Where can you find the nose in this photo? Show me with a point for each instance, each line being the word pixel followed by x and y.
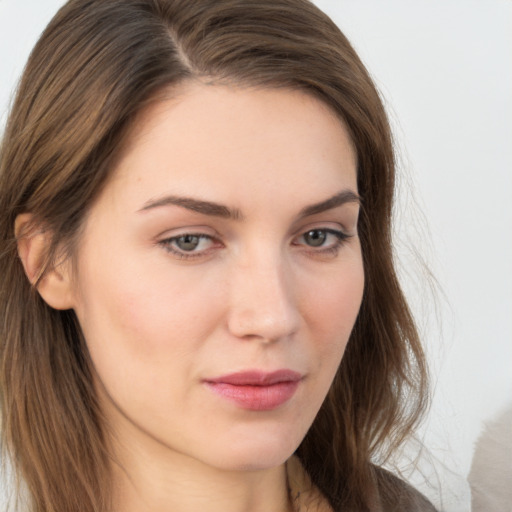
pixel 262 302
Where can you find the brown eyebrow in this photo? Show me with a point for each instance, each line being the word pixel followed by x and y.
pixel 220 210
pixel 345 196
pixel 196 205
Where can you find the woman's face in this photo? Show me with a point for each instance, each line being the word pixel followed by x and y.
pixel 219 275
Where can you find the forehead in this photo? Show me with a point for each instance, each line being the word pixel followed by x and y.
pixel 218 139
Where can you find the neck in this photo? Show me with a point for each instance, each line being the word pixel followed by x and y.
pixel 156 479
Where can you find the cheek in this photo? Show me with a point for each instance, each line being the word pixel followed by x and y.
pixel 331 311
pixel 145 315
pixel 145 334
pixel 334 305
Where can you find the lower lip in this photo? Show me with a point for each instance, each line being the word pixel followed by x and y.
pixel 256 398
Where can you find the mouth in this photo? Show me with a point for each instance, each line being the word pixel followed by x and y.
pixel 256 390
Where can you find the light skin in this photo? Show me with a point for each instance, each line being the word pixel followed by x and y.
pixel 225 240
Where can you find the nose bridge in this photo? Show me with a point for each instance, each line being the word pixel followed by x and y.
pixel 262 296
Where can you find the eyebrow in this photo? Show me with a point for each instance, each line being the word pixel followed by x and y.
pixel 343 197
pixel 196 205
pixel 220 210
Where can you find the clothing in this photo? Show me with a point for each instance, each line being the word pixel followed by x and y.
pixel 306 497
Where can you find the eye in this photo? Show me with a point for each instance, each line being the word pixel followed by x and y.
pixel 188 245
pixel 322 240
pixel 188 242
pixel 315 237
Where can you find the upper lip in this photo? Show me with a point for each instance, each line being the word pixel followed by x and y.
pixel 257 378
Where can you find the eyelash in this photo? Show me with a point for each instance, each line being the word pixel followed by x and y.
pixel 184 255
pixel 332 250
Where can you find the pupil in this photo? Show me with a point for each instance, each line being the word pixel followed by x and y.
pixel 315 237
pixel 187 242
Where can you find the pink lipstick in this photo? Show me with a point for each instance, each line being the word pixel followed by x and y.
pixel 256 390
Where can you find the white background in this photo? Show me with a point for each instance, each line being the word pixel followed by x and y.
pixel 444 68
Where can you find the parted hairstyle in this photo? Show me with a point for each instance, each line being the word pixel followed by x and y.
pixel 97 65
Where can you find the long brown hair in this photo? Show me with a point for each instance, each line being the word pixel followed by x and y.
pixel 96 66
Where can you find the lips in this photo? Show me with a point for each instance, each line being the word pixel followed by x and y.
pixel 256 390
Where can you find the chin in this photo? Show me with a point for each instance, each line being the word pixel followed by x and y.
pixel 257 452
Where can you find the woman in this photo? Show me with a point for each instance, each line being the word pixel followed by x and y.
pixel 199 305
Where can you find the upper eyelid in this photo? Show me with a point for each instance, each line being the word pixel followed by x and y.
pixel 332 226
pixel 348 226
pixel 169 234
pixel 166 236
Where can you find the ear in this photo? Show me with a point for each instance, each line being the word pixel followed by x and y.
pixel 55 285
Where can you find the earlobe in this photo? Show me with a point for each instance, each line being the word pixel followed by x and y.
pixel 53 284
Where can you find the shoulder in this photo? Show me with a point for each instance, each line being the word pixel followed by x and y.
pixel 395 495
pixel 388 493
